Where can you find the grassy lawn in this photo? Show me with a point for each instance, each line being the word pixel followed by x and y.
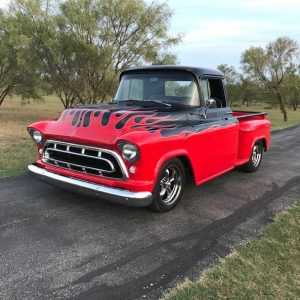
pixel 275 116
pixel 268 268
pixel 17 149
pixel 16 146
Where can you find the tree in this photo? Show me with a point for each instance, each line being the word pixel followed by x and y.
pixel 233 81
pixel 293 90
pixel 83 45
pixel 16 69
pixel 271 66
pixel 230 73
pixel 248 88
pixel 165 59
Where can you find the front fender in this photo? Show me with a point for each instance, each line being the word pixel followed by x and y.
pixel 41 125
pixel 166 157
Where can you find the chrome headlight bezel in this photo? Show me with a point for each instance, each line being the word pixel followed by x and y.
pixel 36 135
pixel 129 152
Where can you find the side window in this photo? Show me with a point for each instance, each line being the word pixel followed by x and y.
pixel 205 89
pixel 217 91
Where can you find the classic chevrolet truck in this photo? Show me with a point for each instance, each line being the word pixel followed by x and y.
pixel 165 122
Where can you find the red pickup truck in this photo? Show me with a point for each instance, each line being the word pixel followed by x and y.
pixel 165 122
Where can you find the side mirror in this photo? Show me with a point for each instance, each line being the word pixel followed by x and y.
pixel 211 103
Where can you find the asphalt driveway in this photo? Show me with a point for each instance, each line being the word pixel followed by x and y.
pixel 55 244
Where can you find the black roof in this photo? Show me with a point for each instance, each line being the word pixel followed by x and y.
pixel 195 71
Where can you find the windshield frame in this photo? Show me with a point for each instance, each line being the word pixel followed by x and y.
pixel 162 72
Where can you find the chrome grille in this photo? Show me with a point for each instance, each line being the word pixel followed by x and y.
pixel 84 159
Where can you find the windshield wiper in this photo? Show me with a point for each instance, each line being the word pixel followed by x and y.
pixel 160 102
pixel 142 102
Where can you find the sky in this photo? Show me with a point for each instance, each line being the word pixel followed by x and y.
pixel 218 31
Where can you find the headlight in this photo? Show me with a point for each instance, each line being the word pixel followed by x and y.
pixel 36 136
pixel 130 152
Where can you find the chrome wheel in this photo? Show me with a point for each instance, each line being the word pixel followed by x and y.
pixel 170 185
pixel 256 154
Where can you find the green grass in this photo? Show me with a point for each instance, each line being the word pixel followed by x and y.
pixel 275 116
pixel 268 268
pixel 17 149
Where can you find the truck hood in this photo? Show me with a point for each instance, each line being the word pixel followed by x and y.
pixel 106 124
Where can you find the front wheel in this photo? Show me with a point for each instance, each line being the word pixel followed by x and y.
pixel 169 186
pixel 255 159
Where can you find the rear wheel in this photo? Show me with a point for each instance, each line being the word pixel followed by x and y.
pixel 169 186
pixel 255 159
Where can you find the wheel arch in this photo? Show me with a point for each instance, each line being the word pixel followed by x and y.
pixel 264 141
pixel 182 156
pixel 187 165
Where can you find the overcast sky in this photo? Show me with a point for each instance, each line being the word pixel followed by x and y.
pixel 217 31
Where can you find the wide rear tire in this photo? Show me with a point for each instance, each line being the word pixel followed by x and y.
pixel 169 186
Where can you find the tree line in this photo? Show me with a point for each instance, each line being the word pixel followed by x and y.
pixel 76 49
pixel 270 73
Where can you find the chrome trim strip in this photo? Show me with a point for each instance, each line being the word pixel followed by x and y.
pixel 71 164
pixel 113 153
pixel 116 195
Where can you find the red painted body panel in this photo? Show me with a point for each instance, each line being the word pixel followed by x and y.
pixel 211 151
pixel 250 130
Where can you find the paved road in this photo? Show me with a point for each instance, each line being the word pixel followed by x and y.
pixel 55 244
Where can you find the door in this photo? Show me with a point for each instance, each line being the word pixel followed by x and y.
pixel 220 139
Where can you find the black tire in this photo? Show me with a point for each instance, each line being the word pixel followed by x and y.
pixel 255 158
pixel 169 186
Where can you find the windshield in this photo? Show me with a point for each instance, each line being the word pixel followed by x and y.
pixel 170 88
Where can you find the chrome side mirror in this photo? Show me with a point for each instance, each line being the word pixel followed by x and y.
pixel 211 103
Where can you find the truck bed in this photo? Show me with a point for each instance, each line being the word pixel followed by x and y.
pixel 253 126
pixel 249 114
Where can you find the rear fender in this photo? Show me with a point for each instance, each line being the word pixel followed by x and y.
pixel 250 132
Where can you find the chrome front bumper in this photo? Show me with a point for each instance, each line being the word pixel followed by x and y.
pixel 135 199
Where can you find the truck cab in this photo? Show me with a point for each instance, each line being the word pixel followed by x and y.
pixel 163 122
